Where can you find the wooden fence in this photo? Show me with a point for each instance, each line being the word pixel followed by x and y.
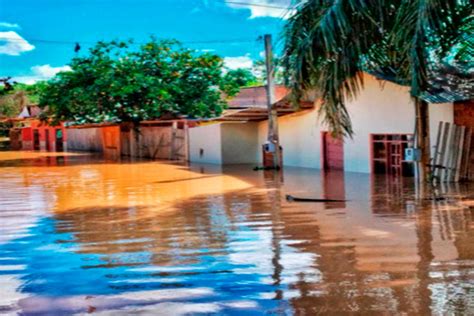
pixel 157 140
pixel 163 142
pixel 453 158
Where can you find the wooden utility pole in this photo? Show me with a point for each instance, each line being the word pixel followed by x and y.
pixel 272 110
pixel 423 138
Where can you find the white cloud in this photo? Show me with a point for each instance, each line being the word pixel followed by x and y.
pixel 9 25
pixel 46 71
pixel 26 79
pixel 238 62
pixel 13 44
pixel 264 8
pixel 41 72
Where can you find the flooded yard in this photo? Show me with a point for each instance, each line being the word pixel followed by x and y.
pixel 79 235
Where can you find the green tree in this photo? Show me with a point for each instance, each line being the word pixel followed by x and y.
pixel 234 79
pixel 329 44
pixel 260 70
pixel 14 96
pixel 118 82
pixel 32 91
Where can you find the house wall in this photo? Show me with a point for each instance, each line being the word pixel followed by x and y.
pixel 28 132
pixel 27 138
pixel 378 109
pixel 300 138
pixel 386 108
pixel 239 143
pixel 442 112
pixel 205 145
pixel 85 139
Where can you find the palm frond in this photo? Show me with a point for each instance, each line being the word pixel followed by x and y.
pixel 328 44
pixel 325 42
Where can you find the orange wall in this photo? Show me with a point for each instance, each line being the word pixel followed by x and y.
pixel 42 127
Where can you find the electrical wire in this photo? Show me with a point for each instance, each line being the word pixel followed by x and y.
pixel 44 41
pixel 223 41
pixel 270 6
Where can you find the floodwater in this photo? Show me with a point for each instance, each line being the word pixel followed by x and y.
pixel 83 235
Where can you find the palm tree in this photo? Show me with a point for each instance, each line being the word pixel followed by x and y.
pixel 427 45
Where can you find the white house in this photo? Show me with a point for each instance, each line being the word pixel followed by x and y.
pixel 383 118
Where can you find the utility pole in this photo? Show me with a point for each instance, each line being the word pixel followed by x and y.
pixel 422 142
pixel 272 110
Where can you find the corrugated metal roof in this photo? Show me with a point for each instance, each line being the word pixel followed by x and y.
pixel 450 87
pixel 250 104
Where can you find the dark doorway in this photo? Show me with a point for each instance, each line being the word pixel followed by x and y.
pixel 47 140
pixel 15 139
pixel 333 152
pixel 36 140
pixel 59 140
pixel 387 154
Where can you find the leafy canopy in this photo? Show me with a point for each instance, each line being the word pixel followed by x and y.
pixel 234 79
pixel 260 70
pixel 417 43
pixel 118 82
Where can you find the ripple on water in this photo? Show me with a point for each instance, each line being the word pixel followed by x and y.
pixel 154 238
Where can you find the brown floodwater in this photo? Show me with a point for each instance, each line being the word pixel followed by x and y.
pixel 79 234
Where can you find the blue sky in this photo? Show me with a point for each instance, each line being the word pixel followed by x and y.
pixel 36 37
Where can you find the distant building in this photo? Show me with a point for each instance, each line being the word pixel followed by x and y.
pixel 30 111
pixel 31 133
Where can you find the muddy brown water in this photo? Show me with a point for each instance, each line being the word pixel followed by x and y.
pixel 82 235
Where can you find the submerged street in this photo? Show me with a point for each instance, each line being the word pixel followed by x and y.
pixel 79 234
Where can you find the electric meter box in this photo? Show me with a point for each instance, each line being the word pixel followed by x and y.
pixel 412 154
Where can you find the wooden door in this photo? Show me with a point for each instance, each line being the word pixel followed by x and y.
pixel 47 140
pixel 59 140
pixel 125 137
pixel 333 152
pixel 15 139
pixel 111 142
pixel 36 140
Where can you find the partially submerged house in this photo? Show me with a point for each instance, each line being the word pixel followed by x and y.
pixel 383 117
pixel 39 135
pixel 234 138
pixel 32 133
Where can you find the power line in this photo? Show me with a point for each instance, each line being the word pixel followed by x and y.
pixel 287 9
pixel 45 41
pixel 224 41
pixel 271 6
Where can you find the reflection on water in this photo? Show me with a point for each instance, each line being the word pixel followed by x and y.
pixel 78 235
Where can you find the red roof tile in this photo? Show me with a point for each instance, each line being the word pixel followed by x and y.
pixel 256 97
